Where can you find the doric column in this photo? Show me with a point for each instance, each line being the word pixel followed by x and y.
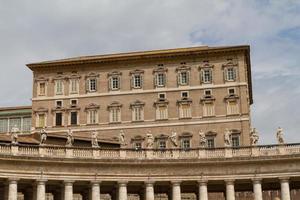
pixel 149 191
pixel 230 195
pixel 257 189
pixel 122 192
pixel 203 190
pixel 285 189
pixel 41 189
pixel 95 190
pixel 176 191
pixel 12 189
pixel 68 190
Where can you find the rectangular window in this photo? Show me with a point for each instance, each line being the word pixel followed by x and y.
pixel 183 78
pixel 93 119
pixel 42 89
pixel 58 119
pixel 41 120
pixel 162 96
pixel 73 118
pixel 73 103
pixel 160 80
pixel 59 104
pixel 235 139
pixel 14 122
pixel 115 83
pixel 210 142
pixel 184 95
pixel 137 81
pixel 207 92
pixel 162 144
pixel 230 74
pixel 74 87
pixel 26 124
pixel 3 125
pixel 161 112
pixel 185 143
pixel 208 109
pixel 206 75
pixel 231 91
pixel 115 115
pixel 232 108
pixel 92 85
pixel 137 113
pixel 185 111
pixel 58 87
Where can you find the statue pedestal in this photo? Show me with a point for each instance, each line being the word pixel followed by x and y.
pixel 228 152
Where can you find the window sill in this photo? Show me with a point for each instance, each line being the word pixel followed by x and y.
pixel 182 118
pixel 209 116
pixel 93 124
pixel 236 114
pixel 161 119
pixel 73 125
pixel 115 122
pixel 137 121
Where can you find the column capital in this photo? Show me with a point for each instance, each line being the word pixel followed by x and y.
pixel 257 180
pixel 229 181
pixel 202 182
pixel 149 183
pixel 176 183
pixel 122 183
pixel 41 181
pixel 95 182
pixel 284 179
pixel 68 182
pixel 13 180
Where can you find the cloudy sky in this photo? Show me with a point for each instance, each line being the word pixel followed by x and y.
pixel 33 31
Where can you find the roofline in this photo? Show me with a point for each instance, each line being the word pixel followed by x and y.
pixel 15 108
pixel 149 55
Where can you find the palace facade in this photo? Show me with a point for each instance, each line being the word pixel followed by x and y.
pixel 176 93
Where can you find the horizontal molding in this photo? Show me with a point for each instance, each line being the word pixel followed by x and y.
pixel 181 88
pixel 81 129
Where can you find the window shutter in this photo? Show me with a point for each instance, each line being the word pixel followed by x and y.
pixel 188 77
pixel 110 84
pixel 142 80
pixel 165 79
pixel 155 80
pixel 201 76
pixel 234 73
pixel 132 81
pixel 96 84
pixel 211 75
pixel 119 82
pixel 225 74
pixel 87 85
pixel 178 78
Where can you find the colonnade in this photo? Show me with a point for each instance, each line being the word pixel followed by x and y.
pixel 40 190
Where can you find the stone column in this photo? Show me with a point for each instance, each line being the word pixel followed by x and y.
pixel 203 190
pixel 122 192
pixel 149 191
pixel 68 190
pixel 230 195
pixel 257 189
pixel 12 189
pixel 41 189
pixel 285 189
pixel 176 191
pixel 95 190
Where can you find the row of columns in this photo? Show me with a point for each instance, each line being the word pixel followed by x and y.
pixel 149 189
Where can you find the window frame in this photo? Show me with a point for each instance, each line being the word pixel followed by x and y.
pixel 74 83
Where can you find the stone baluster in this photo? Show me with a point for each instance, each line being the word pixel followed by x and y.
pixel 12 189
pixel 41 189
pixel 257 189
pixel 203 195
pixel 68 194
pixel 149 191
pixel 285 189
pixel 122 193
pixel 176 191
pixel 95 190
pixel 230 194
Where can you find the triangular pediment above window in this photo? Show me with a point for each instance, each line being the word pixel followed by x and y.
pixel 136 71
pixel 230 63
pixel 205 64
pixel 92 106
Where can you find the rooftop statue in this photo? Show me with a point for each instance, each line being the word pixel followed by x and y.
pixel 254 137
pixel 279 136
pixel 202 142
pixel 43 136
pixel 227 139
pixel 14 134
pixel 150 140
pixel 95 139
pixel 122 138
pixel 173 138
pixel 70 138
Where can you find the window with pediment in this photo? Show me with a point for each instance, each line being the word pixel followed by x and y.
pixel 235 137
pixel 161 141
pixel 230 70
pixel 59 81
pixel 41 86
pixel 161 107
pixel 92 111
pixel 74 83
pixel 232 103
pixel 210 139
pixel 160 76
pixel 114 80
pixel 206 72
pixel 208 103
pixel 92 82
pixel 137 77
pixel 183 75
pixel 185 140
pixel 41 117
pixel 185 108
pixel 137 142
pixel 137 109
pixel 115 112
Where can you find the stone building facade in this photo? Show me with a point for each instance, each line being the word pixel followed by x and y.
pixel 174 96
